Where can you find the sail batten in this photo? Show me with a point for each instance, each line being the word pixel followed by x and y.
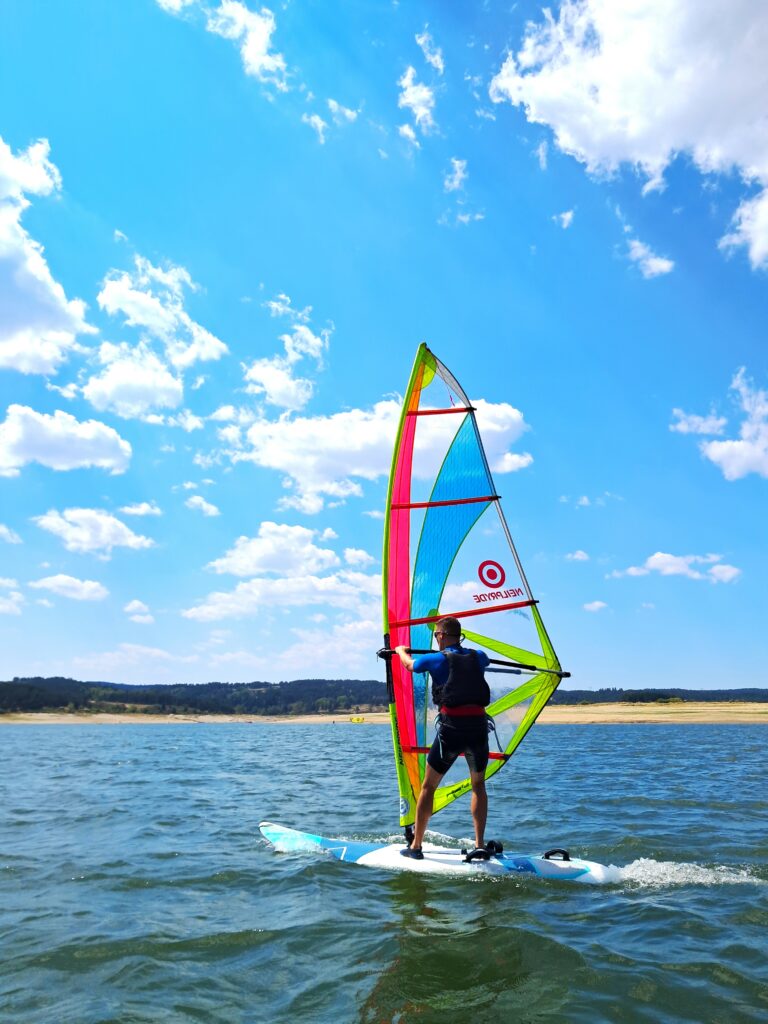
pixel 442 552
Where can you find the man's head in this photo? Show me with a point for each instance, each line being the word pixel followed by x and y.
pixel 447 631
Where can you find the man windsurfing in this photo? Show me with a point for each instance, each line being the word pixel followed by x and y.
pixel 461 693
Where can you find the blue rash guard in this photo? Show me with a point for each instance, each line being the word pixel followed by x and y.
pixel 455 735
pixel 437 665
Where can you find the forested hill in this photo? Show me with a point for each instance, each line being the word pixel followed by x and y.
pixel 298 697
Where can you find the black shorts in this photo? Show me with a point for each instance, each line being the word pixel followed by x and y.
pixel 460 735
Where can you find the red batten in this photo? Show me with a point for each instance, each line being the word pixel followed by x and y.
pixel 440 412
pixel 463 615
pixel 451 501
pixel 492 754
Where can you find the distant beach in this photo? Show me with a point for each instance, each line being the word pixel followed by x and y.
pixel 693 712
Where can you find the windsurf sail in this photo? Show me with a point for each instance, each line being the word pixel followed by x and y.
pixel 448 551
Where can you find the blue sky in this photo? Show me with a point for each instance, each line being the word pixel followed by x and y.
pixel 224 230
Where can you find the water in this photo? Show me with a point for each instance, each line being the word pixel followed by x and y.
pixel 134 886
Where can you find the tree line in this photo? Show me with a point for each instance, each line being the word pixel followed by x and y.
pixel 296 697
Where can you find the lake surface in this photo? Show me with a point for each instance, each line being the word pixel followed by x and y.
pixel 135 888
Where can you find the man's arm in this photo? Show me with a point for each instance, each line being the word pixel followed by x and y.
pixel 407 660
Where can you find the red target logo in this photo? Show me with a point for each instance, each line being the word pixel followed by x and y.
pixel 491 574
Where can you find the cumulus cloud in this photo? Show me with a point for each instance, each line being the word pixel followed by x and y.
pixel 199 503
pixel 88 530
pixel 577 556
pixel 595 606
pixel 455 178
pixel 649 263
pixel 137 611
pixel 406 131
pixel 275 378
pixel 356 556
pixel 140 660
pixel 142 508
pixel 564 219
pixel 9 535
pixel 748 454
pixel 418 98
pixel 356 639
pixel 281 306
pixel 341 115
pixel 688 423
pixel 347 589
pixel 152 299
pixel 277 548
pixel 317 124
pixel 58 441
pixel 325 457
pixel 39 324
pixel 11 603
pixel 253 31
pixel 640 84
pixel 133 382
pixel 665 564
pixel 432 54
pixel 72 588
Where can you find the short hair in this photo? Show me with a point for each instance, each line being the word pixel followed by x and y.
pixel 449 625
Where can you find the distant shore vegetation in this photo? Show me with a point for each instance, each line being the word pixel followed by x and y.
pixel 296 697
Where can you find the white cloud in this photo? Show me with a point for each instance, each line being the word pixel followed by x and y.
pixel 253 31
pixel 199 503
pixel 133 382
pixel 86 530
pixel 432 54
pixel 357 639
pixel 456 177
pixel 9 535
pixel 564 219
pixel 152 299
pixel 186 420
pixel 750 227
pixel 142 508
pixel 641 83
pixel 9 584
pixel 58 441
pixel 141 661
pixel 274 378
pixel 173 7
pixel 326 456
pixel 418 98
pixel 72 588
pixel 39 324
pixel 11 603
pixel 736 459
pixel 683 565
pixel 317 124
pixel 374 513
pixel 346 589
pixel 356 556
pixel 281 306
pixel 577 556
pixel 595 606
pixel 277 548
pixel 541 154
pixel 137 611
pixel 407 132
pixel 649 263
pixel 341 115
pixel 692 424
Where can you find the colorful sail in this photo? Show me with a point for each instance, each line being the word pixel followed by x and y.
pixel 448 551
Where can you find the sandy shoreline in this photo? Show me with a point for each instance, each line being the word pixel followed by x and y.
pixel 693 712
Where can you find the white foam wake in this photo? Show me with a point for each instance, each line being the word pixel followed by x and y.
pixel 658 873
